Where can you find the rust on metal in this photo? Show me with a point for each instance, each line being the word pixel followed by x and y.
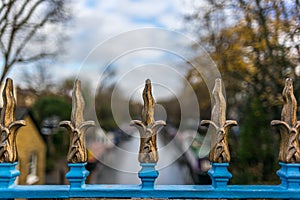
pixel 288 126
pixel 77 127
pixel 219 152
pixel 8 125
pixel 148 128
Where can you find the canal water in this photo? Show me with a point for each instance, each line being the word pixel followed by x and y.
pixel 120 167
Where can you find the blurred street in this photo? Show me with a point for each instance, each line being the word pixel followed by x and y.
pixel 175 173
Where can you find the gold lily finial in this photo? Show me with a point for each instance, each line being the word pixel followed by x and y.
pixel 219 152
pixel 77 127
pixel 8 125
pixel 288 126
pixel 148 128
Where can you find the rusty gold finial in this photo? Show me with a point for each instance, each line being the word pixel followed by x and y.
pixel 8 125
pixel 288 127
pixel 77 127
pixel 148 128
pixel 148 109
pixel 218 115
pixel 289 109
pixel 219 152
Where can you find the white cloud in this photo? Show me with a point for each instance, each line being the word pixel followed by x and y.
pixel 96 21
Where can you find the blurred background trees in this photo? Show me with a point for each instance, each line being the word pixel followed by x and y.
pixel 49 110
pixel 255 45
pixel 25 27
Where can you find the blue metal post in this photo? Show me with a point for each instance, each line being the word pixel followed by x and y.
pixel 77 175
pixel 219 175
pixel 148 174
pixel 289 175
pixel 8 174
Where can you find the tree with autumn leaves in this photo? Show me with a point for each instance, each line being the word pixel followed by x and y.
pixel 256 45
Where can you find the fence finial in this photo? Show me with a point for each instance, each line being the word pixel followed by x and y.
pixel 8 125
pixel 148 128
pixel 288 127
pixel 77 127
pixel 219 152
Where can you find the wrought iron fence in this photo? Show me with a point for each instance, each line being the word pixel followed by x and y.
pixel 289 155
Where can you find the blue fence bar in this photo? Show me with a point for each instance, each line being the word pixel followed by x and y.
pixel 289 173
pixel 160 191
pixel 289 188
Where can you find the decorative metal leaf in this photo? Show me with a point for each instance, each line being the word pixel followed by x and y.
pixel 289 109
pixel 218 114
pixel 219 152
pixel 148 109
pixel 288 127
pixel 8 125
pixel 77 127
pixel 148 128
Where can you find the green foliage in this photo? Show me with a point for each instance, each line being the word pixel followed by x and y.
pixel 53 105
pixel 61 142
pixel 257 148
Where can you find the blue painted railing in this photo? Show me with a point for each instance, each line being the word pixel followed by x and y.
pixel 289 175
pixel 289 187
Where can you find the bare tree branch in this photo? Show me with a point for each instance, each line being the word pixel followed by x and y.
pixel 28 37
pixel 21 22
pixel 29 14
pixel 35 57
pixel 22 9
pixel 8 7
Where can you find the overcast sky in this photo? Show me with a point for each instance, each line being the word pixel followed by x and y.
pixel 111 34
pixel 97 21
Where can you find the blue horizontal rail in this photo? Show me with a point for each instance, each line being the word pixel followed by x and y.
pixel 160 191
pixel 288 189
